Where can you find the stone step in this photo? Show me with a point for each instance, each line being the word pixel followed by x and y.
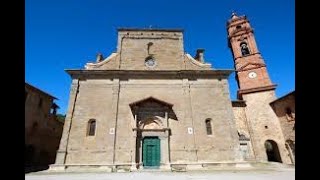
pixel 272 165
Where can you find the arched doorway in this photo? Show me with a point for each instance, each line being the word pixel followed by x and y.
pixel 150 130
pixel 29 154
pixel 291 149
pixel 272 151
pixel 152 117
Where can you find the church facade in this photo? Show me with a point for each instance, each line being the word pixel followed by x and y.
pixel 151 105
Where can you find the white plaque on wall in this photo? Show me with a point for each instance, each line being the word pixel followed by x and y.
pixel 190 130
pixel 111 131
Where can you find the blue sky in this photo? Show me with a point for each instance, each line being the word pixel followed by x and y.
pixel 66 34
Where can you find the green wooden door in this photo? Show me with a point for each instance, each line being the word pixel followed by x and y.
pixel 151 152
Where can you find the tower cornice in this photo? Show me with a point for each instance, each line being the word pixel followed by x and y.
pixel 236 19
pixel 236 34
pixel 257 89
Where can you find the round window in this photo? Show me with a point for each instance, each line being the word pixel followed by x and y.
pixel 150 62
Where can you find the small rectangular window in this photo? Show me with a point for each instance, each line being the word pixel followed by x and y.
pixel 92 127
pixel 208 127
pixel 209 131
pixel 40 103
pixel 25 96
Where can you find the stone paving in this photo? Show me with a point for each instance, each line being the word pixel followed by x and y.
pixel 285 174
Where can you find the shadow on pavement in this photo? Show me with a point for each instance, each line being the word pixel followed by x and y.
pixel 29 169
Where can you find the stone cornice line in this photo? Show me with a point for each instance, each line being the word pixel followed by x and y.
pixel 236 58
pixel 152 74
pixel 137 37
pixel 240 34
pixel 257 89
pixel 256 65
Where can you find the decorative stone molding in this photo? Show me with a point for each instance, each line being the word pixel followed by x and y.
pixel 159 74
pixel 250 65
pixel 197 63
pixel 100 63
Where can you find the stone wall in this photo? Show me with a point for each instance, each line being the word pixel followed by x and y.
pixel 166 48
pixel 243 130
pixel 193 102
pixel 94 101
pixel 135 46
pixel 264 124
pixel 287 123
pixel 42 130
pixel 284 108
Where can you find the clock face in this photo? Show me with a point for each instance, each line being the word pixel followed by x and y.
pixel 252 75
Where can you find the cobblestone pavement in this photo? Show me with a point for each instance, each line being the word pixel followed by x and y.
pixel 218 175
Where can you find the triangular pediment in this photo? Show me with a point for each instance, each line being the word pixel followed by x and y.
pixel 152 107
pixel 151 101
pixel 250 65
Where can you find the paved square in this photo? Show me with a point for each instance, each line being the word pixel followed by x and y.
pixel 219 175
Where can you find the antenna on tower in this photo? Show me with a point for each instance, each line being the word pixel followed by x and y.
pixel 233 13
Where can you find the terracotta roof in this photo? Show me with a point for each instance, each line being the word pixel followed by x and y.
pixel 39 90
pixel 284 96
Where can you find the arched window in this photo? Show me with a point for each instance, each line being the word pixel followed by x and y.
pixel 91 127
pixel 208 127
pixel 244 49
pixel 35 125
pixel 289 114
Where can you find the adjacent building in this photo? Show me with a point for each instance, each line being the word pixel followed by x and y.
pixel 284 107
pixel 42 129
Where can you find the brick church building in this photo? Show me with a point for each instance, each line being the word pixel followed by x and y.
pixel 152 105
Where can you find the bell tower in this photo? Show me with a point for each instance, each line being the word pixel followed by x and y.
pixel 256 90
pixel 251 71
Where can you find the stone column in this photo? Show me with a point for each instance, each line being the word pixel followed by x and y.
pixel 61 153
pixel 115 99
pixel 164 148
pixel 188 122
pixel 290 153
pixel 231 123
pixel 166 123
pixel 140 153
pixel 134 150
pixel 168 135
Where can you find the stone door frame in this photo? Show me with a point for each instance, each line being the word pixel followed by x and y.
pixel 163 134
